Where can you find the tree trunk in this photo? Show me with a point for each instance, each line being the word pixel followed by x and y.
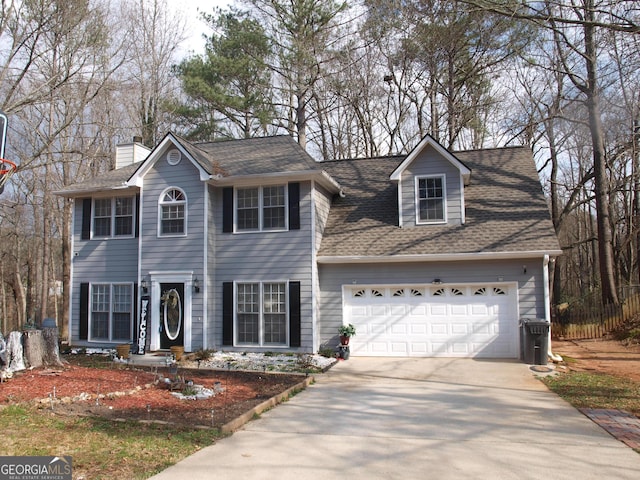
pixel 51 348
pixel 34 349
pixel 605 236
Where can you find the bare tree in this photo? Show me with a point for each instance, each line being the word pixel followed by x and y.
pixel 155 37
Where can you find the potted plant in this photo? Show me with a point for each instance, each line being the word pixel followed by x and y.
pixel 346 332
pixel 123 351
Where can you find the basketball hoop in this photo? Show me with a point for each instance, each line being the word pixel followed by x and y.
pixel 7 168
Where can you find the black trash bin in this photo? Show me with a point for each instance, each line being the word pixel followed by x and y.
pixel 534 341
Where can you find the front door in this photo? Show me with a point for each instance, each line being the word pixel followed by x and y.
pixel 171 314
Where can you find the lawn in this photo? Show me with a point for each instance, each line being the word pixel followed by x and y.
pixel 101 449
pixel 597 390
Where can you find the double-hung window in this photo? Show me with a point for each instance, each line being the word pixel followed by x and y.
pixel 113 217
pixel 261 314
pixel 261 208
pixel 430 199
pixel 172 212
pixel 111 312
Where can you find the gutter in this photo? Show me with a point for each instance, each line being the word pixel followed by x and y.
pixel 547 306
pixel 439 257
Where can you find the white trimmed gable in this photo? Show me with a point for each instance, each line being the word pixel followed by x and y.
pixel 431 168
pixel 170 150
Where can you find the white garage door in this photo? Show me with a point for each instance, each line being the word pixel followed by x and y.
pixel 434 320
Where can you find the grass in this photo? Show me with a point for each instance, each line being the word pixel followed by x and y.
pixel 100 448
pixel 596 390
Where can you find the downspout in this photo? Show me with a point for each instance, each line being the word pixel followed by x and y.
pixel 547 306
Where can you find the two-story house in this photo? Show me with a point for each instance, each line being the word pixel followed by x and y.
pixel 252 245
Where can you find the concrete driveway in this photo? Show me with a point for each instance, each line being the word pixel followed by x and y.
pixel 373 418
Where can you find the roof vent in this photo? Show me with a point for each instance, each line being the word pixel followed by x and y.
pixel 174 156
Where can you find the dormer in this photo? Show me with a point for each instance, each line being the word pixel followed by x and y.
pixel 431 183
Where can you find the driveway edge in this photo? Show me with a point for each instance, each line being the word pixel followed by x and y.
pixel 238 422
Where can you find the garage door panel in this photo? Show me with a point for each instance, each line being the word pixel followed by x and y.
pixel 399 348
pixel 459 329
pixel 418 329
pixel 456 321
pixel 399 329
pixel 439 329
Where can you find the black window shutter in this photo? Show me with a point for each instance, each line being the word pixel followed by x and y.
pixel 137 216
pixel 84 312
pixel 294 314
pixel 227 209
pixel 294 206
pixel 86 219
pixel 227 313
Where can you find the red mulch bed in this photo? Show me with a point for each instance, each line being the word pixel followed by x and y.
pixel 134 394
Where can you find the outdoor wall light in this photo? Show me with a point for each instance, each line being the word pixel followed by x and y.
pixel 436 281
pixel 196 285
pixel 144 285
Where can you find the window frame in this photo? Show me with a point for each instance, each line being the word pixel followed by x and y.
pixel 261 207
pixel 163 203
pixel 262 313
pixel 110 312
pixel 113 216
pixel 418 199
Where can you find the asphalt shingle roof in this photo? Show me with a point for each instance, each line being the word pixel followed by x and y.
pixel 506 210
pixel 257 156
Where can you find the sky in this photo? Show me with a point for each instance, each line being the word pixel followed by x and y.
pixel 195 27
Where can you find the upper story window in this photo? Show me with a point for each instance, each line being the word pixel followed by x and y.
pixel 113 217
pixel 430 199
pixel 261 208
pixel 173 213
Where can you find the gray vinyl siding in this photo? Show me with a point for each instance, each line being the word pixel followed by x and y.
pixel 176 253
pixel 333 277
pixel 430 163
pixel 322 206
pixel 113 260
pixel 265 257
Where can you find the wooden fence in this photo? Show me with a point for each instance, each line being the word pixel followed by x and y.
pixel 579 322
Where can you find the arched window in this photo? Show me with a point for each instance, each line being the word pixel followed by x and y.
pixel 173 212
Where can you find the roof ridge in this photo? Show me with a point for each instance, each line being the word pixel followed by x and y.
pixel 511 147
pixel 381 157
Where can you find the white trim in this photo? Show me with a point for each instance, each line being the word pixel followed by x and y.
pixel 132 325
pixel 161 203
pixel 112 218
pixel 261 314
pixel 261 207
pixel 463 218
pixel 416 198
pixel 314 271
pixel 400 219
pixel 396 175
pixel 320 176
pixel 205 270
pixel 545 281
pixel 437 257
pixel 158 153
pixel 156 278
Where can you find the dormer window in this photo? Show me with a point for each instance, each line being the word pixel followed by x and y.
pixel 430 199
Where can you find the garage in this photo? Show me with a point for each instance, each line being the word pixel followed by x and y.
pixel 467 320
